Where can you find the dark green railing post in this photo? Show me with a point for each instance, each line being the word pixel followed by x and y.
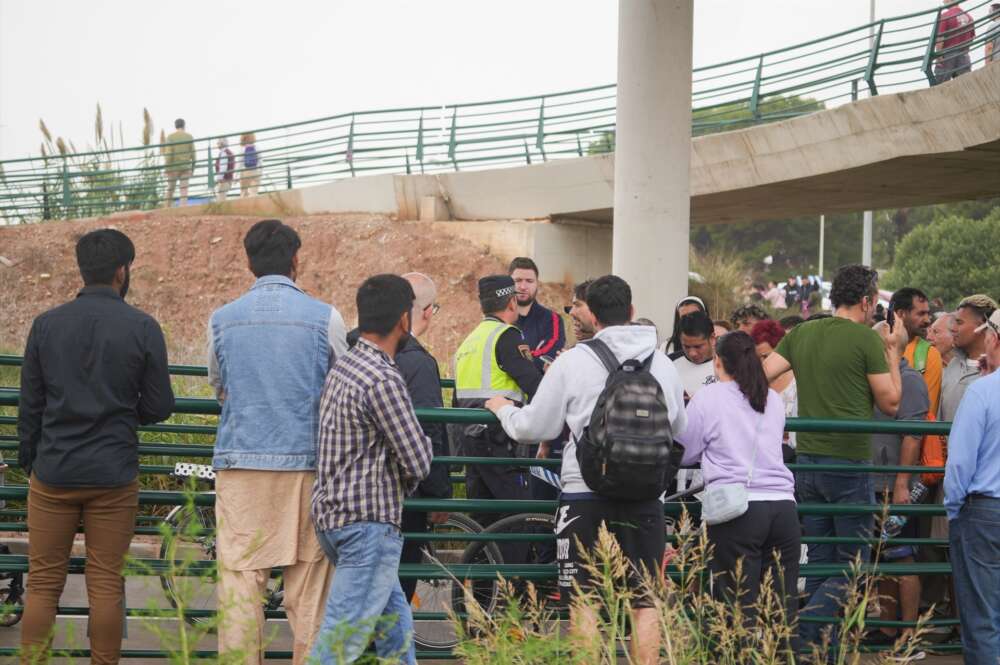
pixel 755 95
pixel 928 65
pixel 873 60
pixel 350 146
pixel 67 194
pixel 420 141
pixel 46 211
pixel 579 145
pixel 854 90
pixel 407 155
pixel 288 175
pixel 452 139
pixel 211 169
pixel 540 138
pixel 527 152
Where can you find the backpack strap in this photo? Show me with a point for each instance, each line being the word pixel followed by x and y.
pixel 603 354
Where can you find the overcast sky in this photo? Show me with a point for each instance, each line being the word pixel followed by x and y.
pixel 226 65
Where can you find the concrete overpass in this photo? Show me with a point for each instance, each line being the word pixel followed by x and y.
pixel 920 147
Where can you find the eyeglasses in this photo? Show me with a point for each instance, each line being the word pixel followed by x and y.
pixel 434 307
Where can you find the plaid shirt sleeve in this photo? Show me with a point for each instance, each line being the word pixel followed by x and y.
pixel 393 413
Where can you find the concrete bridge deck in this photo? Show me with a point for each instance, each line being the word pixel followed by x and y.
pixel 919 147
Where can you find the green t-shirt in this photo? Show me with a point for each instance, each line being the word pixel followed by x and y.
pixel 831 359
pixel 180 151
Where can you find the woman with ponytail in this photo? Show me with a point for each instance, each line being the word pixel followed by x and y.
pixel 735 430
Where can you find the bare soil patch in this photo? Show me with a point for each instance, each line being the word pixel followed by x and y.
pixel 187 266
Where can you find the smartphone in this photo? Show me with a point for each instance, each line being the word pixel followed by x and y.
pixel 890 317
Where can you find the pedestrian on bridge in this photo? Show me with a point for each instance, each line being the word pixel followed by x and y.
pixel 955 32
pixel 179 159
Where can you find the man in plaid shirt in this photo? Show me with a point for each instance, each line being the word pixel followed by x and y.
pixel 372 452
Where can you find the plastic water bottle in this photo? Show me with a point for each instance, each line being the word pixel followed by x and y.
pixel 894 523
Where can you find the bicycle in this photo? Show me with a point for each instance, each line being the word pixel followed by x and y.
pixel 11 595
pixel 191 537
pixel 11 584
pixel 438 634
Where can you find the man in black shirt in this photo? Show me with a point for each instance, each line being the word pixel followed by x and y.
pixel 423 381
pixel 94 370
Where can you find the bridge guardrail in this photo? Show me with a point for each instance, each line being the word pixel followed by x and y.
pixel 783 83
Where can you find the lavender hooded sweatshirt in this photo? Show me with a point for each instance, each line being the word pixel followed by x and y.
pixel 720 434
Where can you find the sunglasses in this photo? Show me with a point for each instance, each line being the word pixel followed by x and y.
pixel 434 307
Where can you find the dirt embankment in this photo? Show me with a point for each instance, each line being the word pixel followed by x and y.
pixel 186 267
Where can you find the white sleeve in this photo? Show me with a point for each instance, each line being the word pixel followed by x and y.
pixel 336 335
pixel 673 391
pixel 214 379
pixel 543 418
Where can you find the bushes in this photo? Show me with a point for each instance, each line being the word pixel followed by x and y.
pixel 951 258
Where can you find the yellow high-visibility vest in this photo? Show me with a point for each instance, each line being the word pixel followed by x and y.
pixel 477 373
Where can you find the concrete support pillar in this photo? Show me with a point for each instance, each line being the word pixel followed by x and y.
pixel 866 238
pixel 652 154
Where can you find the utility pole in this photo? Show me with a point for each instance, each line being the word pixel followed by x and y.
pixel 822 243
pixel 866 232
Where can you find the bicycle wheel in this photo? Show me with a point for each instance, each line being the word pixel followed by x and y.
pixel 487 592
pixel 189 539
pixel 11 595
pixel 436 595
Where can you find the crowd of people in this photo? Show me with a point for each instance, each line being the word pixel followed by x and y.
pixel 318 444
pixel 180 157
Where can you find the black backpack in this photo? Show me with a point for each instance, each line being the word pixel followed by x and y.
pixel 627 451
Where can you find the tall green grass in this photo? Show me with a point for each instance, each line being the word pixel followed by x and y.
pixel 695 626
pixel 94 181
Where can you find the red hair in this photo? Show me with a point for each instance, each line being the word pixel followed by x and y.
pixel 769 331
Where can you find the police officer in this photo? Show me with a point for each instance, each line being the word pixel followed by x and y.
pixel 494 360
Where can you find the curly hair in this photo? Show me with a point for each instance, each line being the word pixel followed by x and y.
pixel 747 312
pixel 767 331
pixel 852 284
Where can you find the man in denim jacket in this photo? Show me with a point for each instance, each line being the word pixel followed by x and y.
pixel 268 354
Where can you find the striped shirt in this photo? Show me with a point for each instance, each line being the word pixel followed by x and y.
pixel 372 450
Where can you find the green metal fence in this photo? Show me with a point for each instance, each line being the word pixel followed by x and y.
pixel 14 520
pixel 770 86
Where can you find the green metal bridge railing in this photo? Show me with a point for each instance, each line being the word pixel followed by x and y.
pixel 766 87
pixel 12 520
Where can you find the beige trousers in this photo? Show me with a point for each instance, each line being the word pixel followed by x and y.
pixel 264 523
pixel 172 178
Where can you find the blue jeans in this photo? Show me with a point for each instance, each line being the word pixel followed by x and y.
pixel 826 596
pixel 365 599
pixel 974 537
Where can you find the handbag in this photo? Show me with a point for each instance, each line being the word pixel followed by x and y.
pixel 724 502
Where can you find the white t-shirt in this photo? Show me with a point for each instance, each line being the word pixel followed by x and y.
pixel 694 377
